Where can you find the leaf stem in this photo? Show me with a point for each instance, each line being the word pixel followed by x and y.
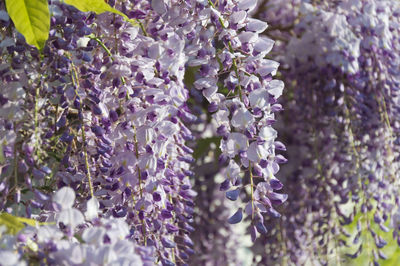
pixel 107 51
pixel 36 120
pixel 251 191
pixel 86 159
pixel 143 29
pixel 75 82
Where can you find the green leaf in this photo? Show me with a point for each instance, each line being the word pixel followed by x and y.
pixel 32 19
pixel 13 223
pixel 96 6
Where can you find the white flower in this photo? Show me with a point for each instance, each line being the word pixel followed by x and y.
pixel 236 142
pixel 248 37
pixel 256 152
pixel 48 233
pixel 94 235
pixel 275 88
pixel 259 98
pixel 222 118
pixel 210 92
pixel 65 198
pixel 92 209
pixel 155 51
pixel 263 45
pixel 256 25
pixel 145 135
pixel 148 162
pixel 247 5
pixel 267 67
pixel 233 171
pixel 71 217
pixel 10 258
pixel 238 18
pixel 242 118
pixel 118 229
pixel 268 134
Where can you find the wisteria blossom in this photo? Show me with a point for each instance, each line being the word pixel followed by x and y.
pixel 102 115
pixel 199 132
pixel 340 63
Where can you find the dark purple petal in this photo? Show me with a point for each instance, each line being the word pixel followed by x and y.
pixel 236 217
pixel 233 194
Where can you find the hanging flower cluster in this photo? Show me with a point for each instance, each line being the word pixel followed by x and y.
pixel 106 241
pixel 341 65
pixel 243 114
pixel 101 116
pixel 137 132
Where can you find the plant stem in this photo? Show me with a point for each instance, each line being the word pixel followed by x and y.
pixel 86 160
pixel 252 191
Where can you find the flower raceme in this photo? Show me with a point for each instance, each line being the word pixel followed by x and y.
pixel 244 114
pixel 96 127
pixel 340 63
